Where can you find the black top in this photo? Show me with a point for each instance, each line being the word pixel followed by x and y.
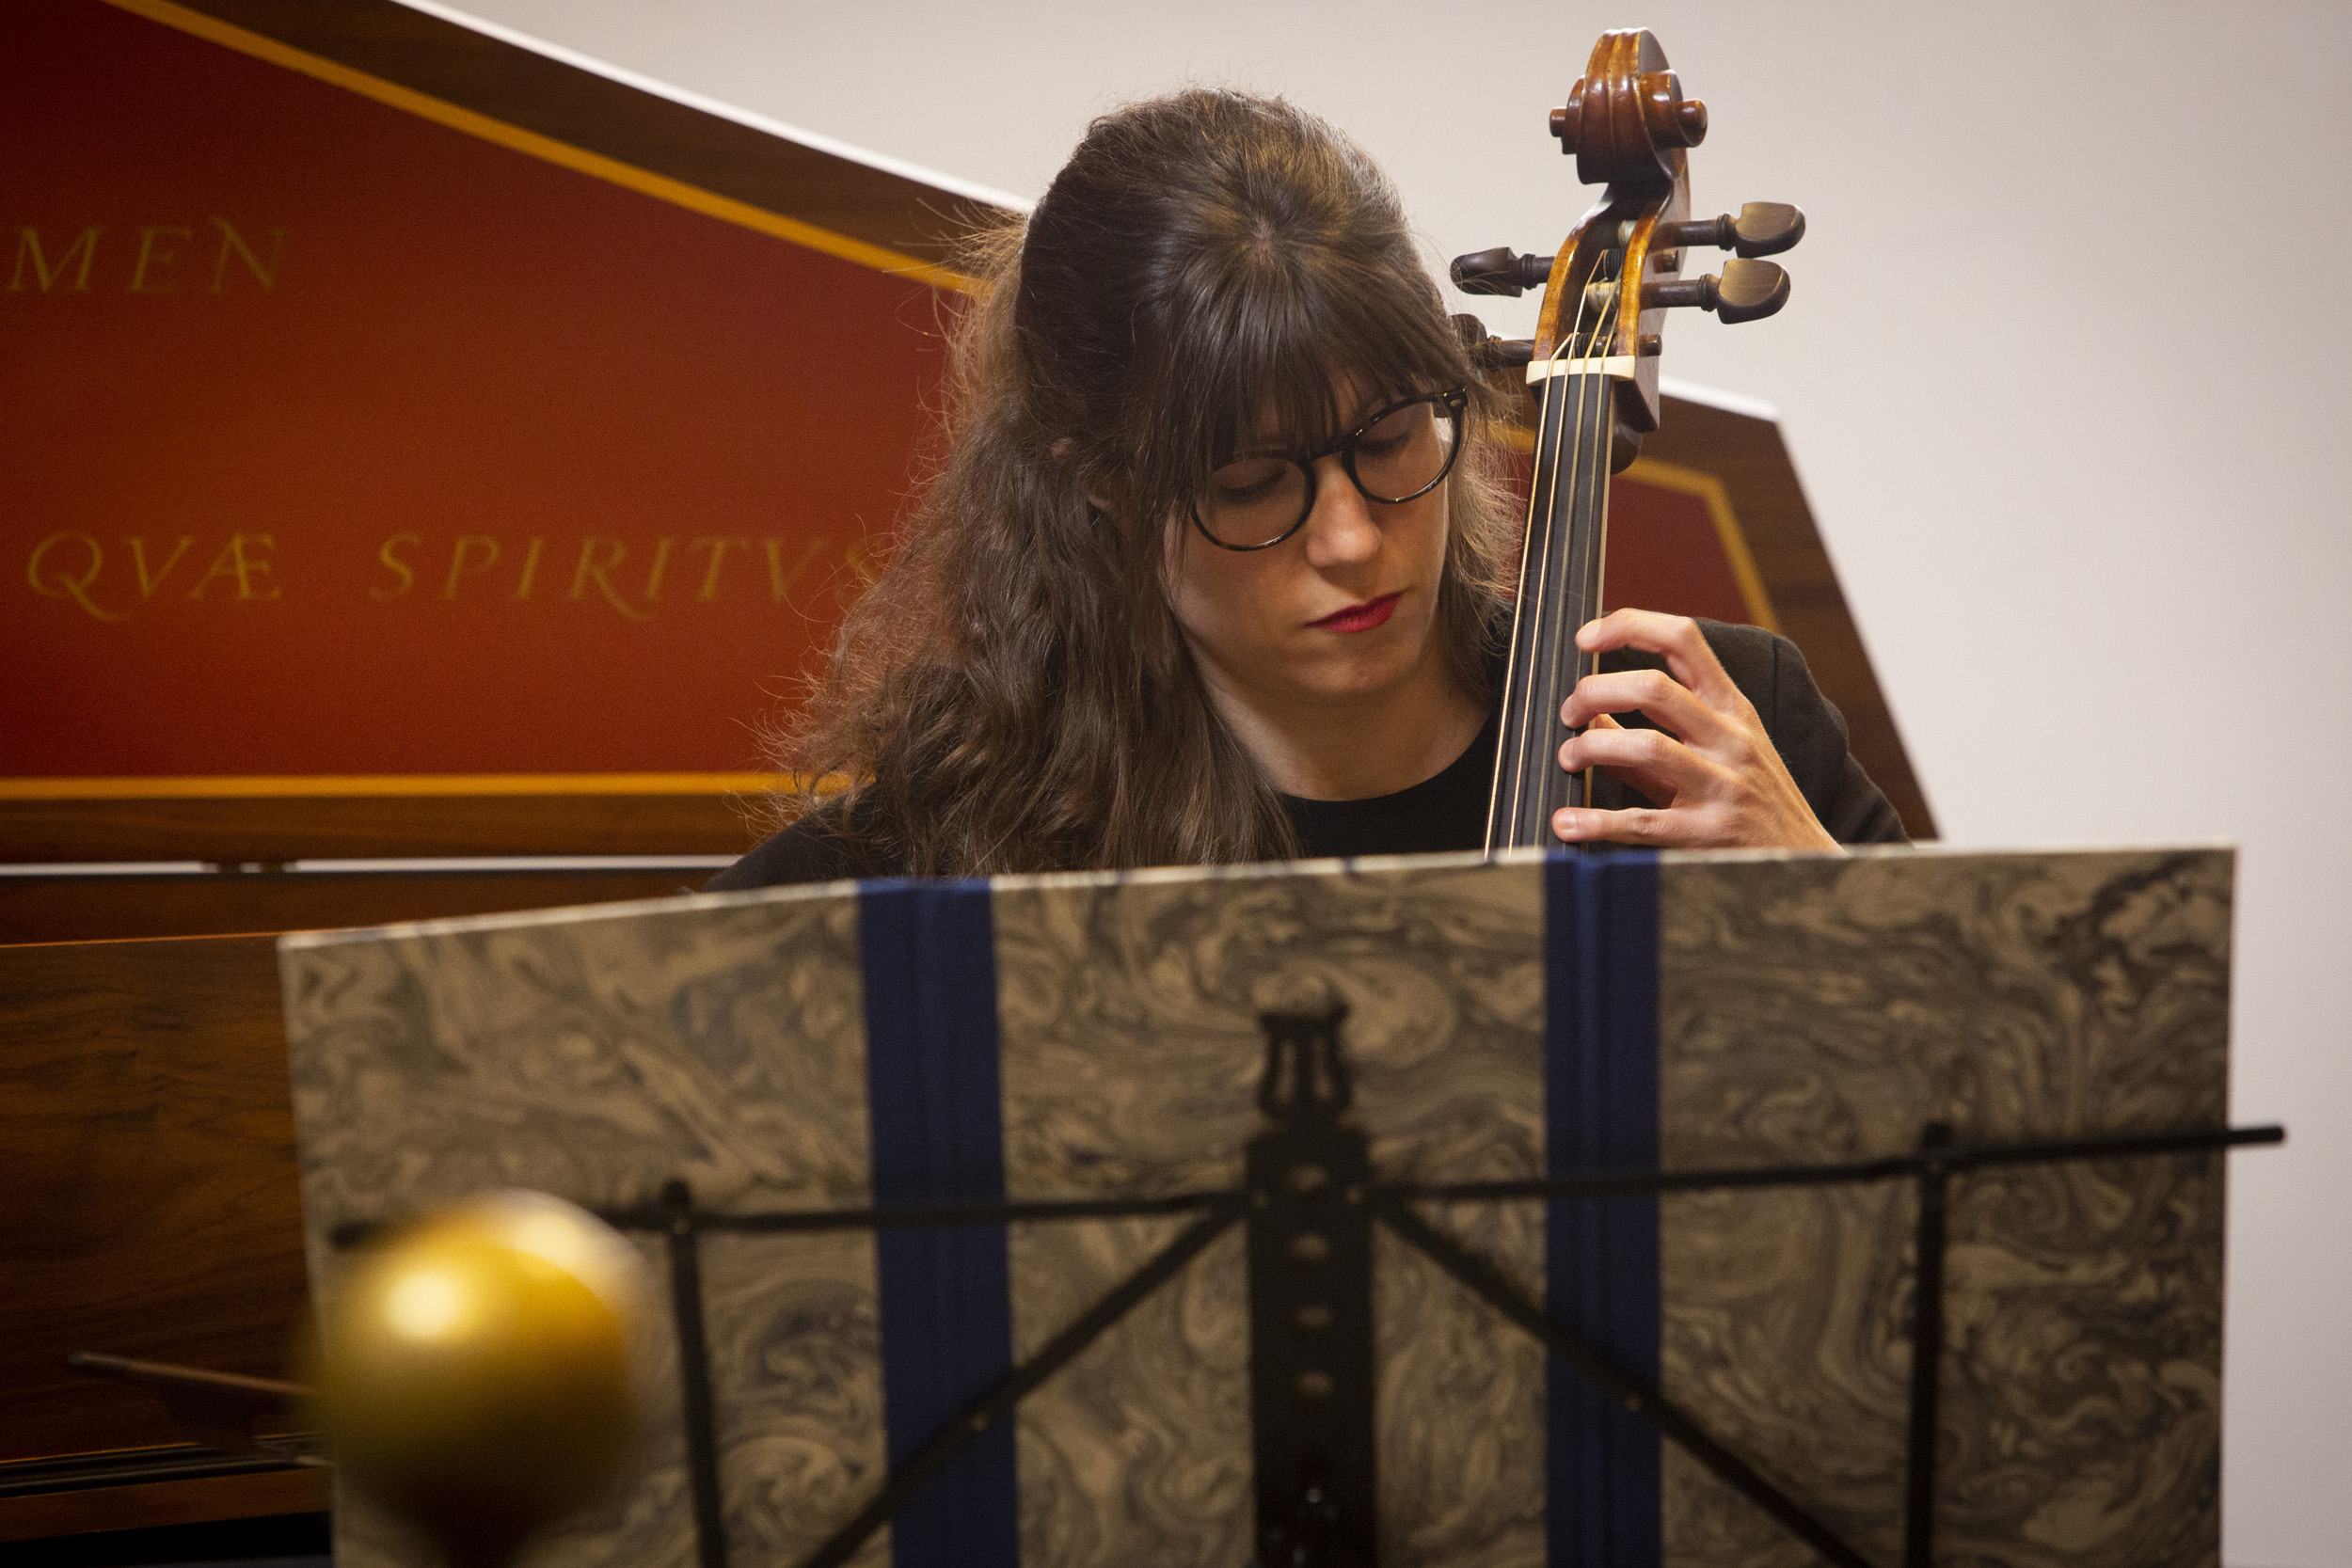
pixel 1449 810
pixel 1445 811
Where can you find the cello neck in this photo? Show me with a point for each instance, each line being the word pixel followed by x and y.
pixel 1559 590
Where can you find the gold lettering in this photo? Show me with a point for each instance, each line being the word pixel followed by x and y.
pixel 530 566
pixel 382 591
pixel 232 562
pixel 717 549
pixel 63 585
pixel 149 256
pixel 231 240
pixel 148 583
pixel 859 564
pixel 591 567
pixel 778 578
pixel 28 248
pixel 660 564
pixel 457 568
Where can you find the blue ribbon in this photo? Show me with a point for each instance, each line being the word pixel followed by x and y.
pixel 1600 1110
pixel 928 952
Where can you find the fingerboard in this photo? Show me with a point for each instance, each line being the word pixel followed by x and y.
pixel 1559 590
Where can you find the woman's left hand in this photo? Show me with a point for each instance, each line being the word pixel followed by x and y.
pixel 1716 778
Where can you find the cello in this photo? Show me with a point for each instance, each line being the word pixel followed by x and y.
pixel 1593 366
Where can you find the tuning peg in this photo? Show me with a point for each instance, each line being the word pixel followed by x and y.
pixel 1762 228
pixel 1500 271
pixel 1492 354
pixel 1748 291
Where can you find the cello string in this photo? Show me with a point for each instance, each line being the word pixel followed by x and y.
pixel 1564 604
pixel 1544 691
pixel 1576 566
pixel 1530 731
pixel 1503 803
pixel 1594 537
pixel 1541 586
pixel 1543 694
pixel 1531 752
pixel 1526 624
pixel 1502 800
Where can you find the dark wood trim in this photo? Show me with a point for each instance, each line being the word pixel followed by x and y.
pixel 1748 455
pixel 83 1472
pixel 262 829
pixel 163 1503
pixel 113 907
pixel 155 1207
pixel 599 115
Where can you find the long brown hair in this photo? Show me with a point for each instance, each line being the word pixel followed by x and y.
pixel 1014 694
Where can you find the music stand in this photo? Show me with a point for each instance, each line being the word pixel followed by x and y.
pixel 979 996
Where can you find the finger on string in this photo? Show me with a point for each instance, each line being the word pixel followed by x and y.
pixel 1637 826
pixel 1678 638
pixel 1643 791
pixel 1666 701
pixel 1660 768
pixel 1657 765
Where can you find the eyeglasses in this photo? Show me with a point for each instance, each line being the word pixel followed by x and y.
pixel 1255 502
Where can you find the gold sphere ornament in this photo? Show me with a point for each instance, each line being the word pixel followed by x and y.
pixel 480 1372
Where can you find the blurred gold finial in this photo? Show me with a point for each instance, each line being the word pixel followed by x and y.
pixel 479 1371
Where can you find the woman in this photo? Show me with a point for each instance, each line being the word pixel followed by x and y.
pixel 1213 569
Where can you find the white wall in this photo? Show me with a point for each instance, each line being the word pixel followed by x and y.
pixel 2065 371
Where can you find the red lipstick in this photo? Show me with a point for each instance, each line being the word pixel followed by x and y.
pixel 1359 617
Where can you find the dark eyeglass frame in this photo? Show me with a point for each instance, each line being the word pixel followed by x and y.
pixel 1455 403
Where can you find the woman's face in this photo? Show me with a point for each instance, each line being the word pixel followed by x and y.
pixel 1341 613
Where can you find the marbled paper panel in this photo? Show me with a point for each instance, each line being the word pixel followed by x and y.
pixel 1821 1011
pixel 596 1054
pixel 1810 1009
pixel 1132 1053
